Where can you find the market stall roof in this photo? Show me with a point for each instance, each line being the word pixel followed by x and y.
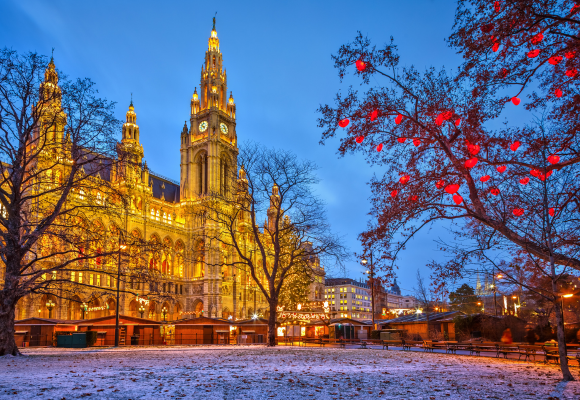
pixel 45 321
pixel 339 321
pixel 203 321
pixel 110 320
pixel 420 317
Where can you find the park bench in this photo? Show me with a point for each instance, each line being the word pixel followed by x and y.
pixel 428 345
pixel 408 344
pixel 552 353
pixel 393 343
pixel 506 349
pixel 363 345
pixel 528 351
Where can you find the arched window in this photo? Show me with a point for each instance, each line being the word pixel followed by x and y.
pixel 157 215
pixel 164 217
pixel 152 213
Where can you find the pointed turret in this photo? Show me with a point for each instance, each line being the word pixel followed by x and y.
pixel 130 127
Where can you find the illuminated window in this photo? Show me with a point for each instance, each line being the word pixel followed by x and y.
pixel 165 217
pixel 157 215
pixel 99 198
pixel 108 281
pixel 90 279
pixel 72 275
pixel 80 277
pixel 82 194
pixel 152 213
pixel 169 218
pixel 98 279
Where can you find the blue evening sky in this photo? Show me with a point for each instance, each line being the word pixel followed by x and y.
pixel 277 56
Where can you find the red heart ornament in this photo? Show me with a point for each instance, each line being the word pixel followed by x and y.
pixel 525 181
pixel 515 145
pixel 457 199
pixel 453 188
pixel 570 54
pixel 554 159
pixel 484 178
pixel 343 123
pixel 551 211
pixel 535 172
pixel 503 73
pixel 558 92
pixel 495 47
pixel 515 100
pixel 404 179
pixel 471 162
pixel 497 6
pixel 501 169
pixel 571 72
pixel 413 198
pixel 537 38
pixel 554 60
pixel 440 183
pixel 458 122
pixel 494 191
pixel 401 139
pixel 518 212
pixel 394 193
pixel 360 65
pixel 380 147
pixel 473 149
pixel 534 53
pixel 374 115
pixel 359 139
pixel 439 119
pixel 398 119
pixel 416 142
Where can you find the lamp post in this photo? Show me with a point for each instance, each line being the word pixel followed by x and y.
pixel 84 308
pixel 371 273
pixel 50 305
pixel 164 313
pixel 142 310
pixel 121 247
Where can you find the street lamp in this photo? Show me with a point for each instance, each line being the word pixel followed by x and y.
pixel 50 305
pixel 164 312
pixel 122 246
pixel 84 308
pixel 564 296
pixel 142 310
pixel 371 273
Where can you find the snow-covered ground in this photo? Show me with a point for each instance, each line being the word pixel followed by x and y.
pixel 280 373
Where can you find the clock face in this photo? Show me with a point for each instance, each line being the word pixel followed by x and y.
pixel 203 126
pixel 224 128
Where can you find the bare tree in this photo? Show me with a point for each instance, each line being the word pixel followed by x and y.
pixel 276 187
pixel 57 152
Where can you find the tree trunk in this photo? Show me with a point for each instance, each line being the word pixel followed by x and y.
pixel 7 342
pixel 566 374
pixel 272 324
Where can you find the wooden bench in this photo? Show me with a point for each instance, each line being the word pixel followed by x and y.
pixel 506 349
pixel 428 345
pixel 393 343
pixel 363 345
pixel 528 351
pixel 408 344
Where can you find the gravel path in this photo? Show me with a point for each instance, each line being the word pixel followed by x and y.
pixel 279 373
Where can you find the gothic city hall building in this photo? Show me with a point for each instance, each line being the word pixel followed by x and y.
pixel 197 277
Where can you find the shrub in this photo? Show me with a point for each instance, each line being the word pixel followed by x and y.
pixel 375 334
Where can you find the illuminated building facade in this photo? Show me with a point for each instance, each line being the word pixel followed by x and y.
pixel 200 278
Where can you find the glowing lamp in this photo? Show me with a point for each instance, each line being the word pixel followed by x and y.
pixel 416 142
pixel 359 139
pixel 484 178
pixel 515 145
pixel 499 276
pixel 524 181
pixel 554 159
pixel 515 100
pixel 453 188
pixel 551 211
pixel 457 199
pixel 533 53
pixel 471 162
pixel 398 119
pixel 554 60
pixel 360 65
pixel 567 296
pixel 518 212
pixel 494 191
pixel 380 147
pixel 501 169
pixel 343 122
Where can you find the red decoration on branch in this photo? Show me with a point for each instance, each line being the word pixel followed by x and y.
pixel 497 6
pixel 495 47
pixel 515 145
pixel 473 149
pixel 535 172
pixel 534 53
pixel 440 183
pixel 404 179
pixel 401 139
pixel 453 188
pixel 501 169
pixel 457 199
pixel 360 65
pixel 570 54
pixel 413 198
pixel 374 115
pixel 554 159
pixel 380 147
pixel 558 92
pixel 439 119
pixel 503 73
pixel 571 72
pixel 394 193
pixel 471 162
pixel 554 60
pixel 524 181
pixel 518 212
pixel 416 142
pixel 485 178
pixel 458 122
pixel 398 119
pixel 494 191
pixel 537 38
pixel 359 139
pixel 515 100
pixel 343 123
pixel 551 211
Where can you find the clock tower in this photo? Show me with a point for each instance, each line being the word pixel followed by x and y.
pixel 208 164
